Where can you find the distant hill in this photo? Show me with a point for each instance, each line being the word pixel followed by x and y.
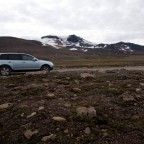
pixel 73 42
pixel 13 44
pixel 70 47
pixel 36 48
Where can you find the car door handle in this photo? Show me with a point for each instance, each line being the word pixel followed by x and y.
pixel 9 62
pixel 23 62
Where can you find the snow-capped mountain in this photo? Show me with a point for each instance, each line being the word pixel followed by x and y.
pixel 124 48
pixel 71 41
pixel 75 43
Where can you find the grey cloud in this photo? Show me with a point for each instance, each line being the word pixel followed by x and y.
pixel 106 20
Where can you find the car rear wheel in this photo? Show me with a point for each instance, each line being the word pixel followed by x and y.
pixel 45 68
pixel 5 71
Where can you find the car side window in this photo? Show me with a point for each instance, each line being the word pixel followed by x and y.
pixel 27 57
pixel 14 57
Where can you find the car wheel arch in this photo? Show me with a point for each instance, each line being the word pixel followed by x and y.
pixel 5 70
pixel 45 65
pixel 6 66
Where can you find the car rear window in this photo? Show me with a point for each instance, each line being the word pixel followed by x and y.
pixel 3 57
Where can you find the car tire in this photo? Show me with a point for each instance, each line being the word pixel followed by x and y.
pixel 5 71
pixel 45 68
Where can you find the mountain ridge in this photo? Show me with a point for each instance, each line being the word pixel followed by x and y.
pixel 68 43
pixel 73 42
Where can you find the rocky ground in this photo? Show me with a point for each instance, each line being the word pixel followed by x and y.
pixel 98 107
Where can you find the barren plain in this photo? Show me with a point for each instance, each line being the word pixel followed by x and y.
pixel 75 107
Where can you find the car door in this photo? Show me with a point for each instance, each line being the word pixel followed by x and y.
pixel 14 60
pixel 30 62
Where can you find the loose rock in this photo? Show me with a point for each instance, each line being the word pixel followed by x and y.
pixel 81 111
pixel 51 95
pixel 67 105
pixel 128 98
pixel 46 138
pixel 41 108
pixel 28 134
pixel 85 75
pixel 84 111
pixel 5 105
pixel 66 131
pixel 104 132
pixel 76 90
pixel 87 130
pixel 46 84
pixel 138 90
pixel 60 119
pixel 91 112
pixel 31 115
pixel 142 84
pixel 76 81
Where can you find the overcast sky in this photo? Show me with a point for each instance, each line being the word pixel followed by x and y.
pixel 106 21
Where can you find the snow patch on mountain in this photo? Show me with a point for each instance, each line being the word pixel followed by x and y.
pixel 73 49
pixel 125 48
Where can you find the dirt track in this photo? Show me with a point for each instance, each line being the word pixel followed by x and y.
pixel 100 69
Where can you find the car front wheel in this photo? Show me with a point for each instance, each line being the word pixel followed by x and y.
pixel 45 68
pixel 5 71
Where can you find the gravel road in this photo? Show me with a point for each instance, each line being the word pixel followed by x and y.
pixel 99 69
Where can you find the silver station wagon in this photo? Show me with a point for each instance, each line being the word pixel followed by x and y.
pixel 10 62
